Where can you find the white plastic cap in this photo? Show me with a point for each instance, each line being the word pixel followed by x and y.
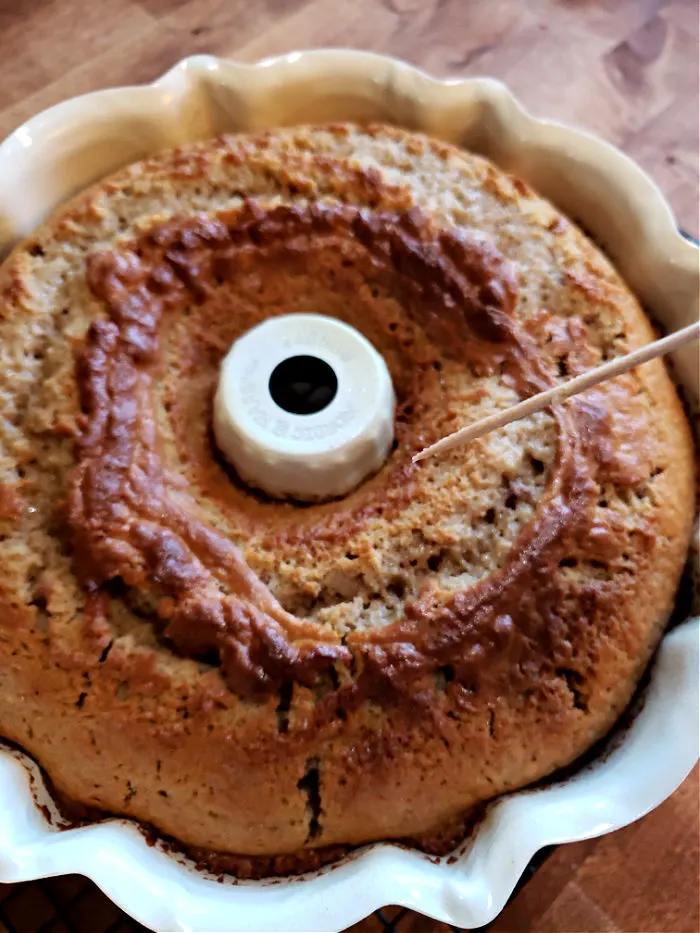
pixel 304 407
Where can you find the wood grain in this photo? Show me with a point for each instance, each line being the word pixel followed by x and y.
pixel 626 69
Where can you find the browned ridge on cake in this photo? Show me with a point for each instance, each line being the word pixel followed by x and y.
pixel 266 681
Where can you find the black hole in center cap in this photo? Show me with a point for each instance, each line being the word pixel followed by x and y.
pixel 303 385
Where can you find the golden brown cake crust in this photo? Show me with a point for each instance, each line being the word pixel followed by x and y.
pixel 266 679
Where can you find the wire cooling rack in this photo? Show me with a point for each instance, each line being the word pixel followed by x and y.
pixel 72 904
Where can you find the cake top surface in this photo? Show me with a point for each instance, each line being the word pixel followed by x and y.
pixel 125 527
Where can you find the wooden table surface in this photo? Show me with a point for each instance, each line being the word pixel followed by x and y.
pixel 626 69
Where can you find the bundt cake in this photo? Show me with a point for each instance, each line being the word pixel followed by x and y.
pixel 267 681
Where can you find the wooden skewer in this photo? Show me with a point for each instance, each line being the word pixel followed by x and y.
pixel 557 394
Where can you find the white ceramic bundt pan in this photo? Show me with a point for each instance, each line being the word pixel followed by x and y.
pixel 73 144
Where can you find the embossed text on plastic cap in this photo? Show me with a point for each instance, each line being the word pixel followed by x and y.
pixel 304 407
